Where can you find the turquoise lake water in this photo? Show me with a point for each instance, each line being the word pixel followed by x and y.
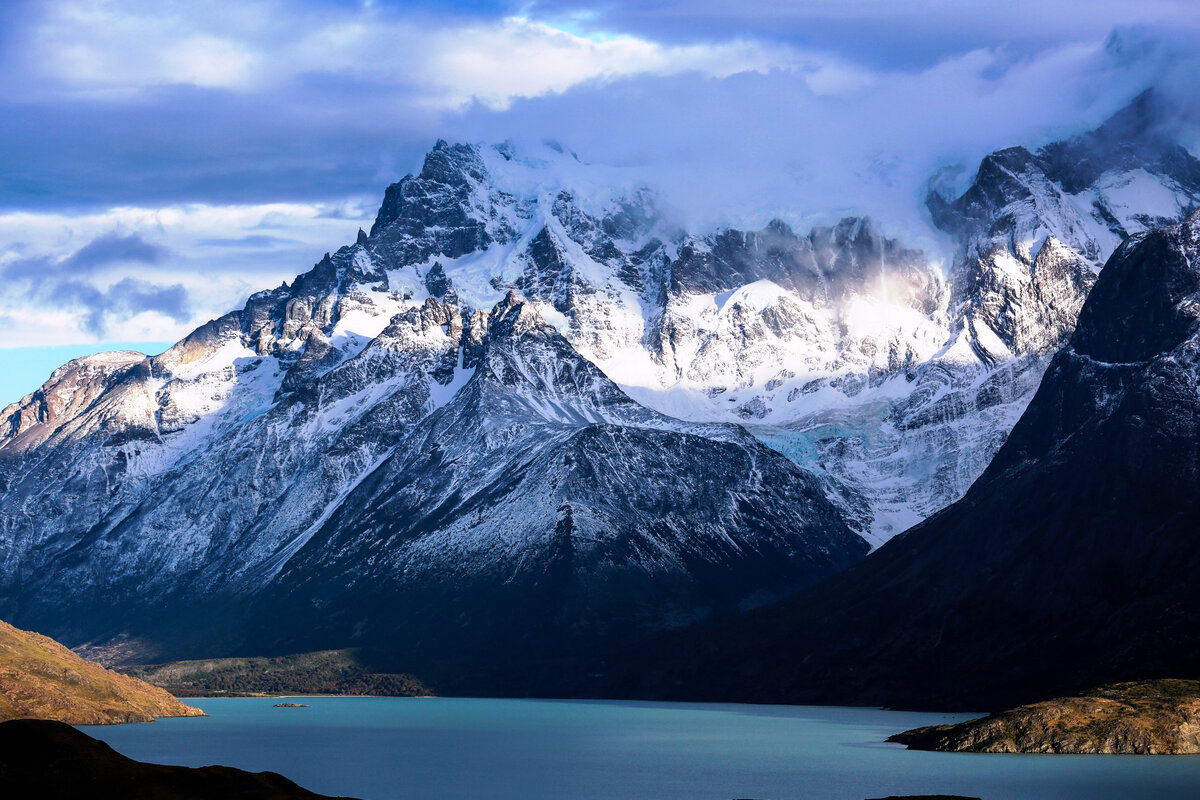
pixel 381 748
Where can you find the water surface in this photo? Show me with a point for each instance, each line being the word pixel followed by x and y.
pixel 380 748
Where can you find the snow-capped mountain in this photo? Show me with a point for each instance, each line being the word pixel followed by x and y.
pixel 1069 564
pixel 338 461
pixel 526 364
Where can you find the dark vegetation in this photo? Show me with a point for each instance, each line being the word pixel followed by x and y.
pixel 323 672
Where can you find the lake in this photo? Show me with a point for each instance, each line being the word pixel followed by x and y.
pixel 379 748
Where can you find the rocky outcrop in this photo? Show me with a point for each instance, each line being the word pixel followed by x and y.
pixel 41 679
pixel 1145 718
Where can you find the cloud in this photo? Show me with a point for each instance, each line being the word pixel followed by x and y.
pixel 104 251
pixel 114 248
pixel 742 149
pixel 222 148
pixel 127 298
pixel 253 241
pixel 106 50
pixel 911 35
pixel 150 273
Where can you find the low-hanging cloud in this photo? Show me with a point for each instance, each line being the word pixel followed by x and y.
pixel 114 248
pixel 77 281
pixel 743 149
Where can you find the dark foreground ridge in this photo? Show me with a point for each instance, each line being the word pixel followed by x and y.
pixel 51 760
pixel 1142 718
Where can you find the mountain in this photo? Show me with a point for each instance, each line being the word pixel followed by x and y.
pixel 528 381
pixel 542 504
pixel 1070 563
pixel 40 678
pixel 278 481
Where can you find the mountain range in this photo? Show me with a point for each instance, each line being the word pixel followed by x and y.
pixel 528 412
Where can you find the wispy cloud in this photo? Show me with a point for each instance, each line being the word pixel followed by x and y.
pixel 133 273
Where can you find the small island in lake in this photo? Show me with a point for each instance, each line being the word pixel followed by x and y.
pixel 1159 717
pixel 290 705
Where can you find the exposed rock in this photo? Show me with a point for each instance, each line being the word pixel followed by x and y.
pixel 207 480
pixel 1069 564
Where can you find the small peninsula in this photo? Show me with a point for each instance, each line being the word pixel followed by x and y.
pixel 1160 717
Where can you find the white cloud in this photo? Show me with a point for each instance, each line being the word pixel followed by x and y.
pixel 102 48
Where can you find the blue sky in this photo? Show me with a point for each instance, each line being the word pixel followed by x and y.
pixel 161 160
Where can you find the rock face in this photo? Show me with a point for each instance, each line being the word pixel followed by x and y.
pixel 1070 563
pixel 40 678
pixel 54 761
pixel 528 388
pixel 1146 718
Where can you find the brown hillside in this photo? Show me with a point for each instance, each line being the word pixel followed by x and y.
pixel 42 679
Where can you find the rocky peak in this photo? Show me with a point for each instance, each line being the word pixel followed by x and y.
pixel 68 391
pixel 1136 137
pixel 824 267
pixel 452 169
pixel 513 316
pixel 1147 300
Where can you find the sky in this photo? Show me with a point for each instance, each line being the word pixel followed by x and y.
pixel 160 160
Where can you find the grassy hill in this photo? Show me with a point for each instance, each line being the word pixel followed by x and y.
pixel 42 679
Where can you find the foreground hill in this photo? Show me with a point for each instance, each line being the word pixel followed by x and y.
pixel 1069 564
pixel 40 678
pixel 53 761
pixel 1145 718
